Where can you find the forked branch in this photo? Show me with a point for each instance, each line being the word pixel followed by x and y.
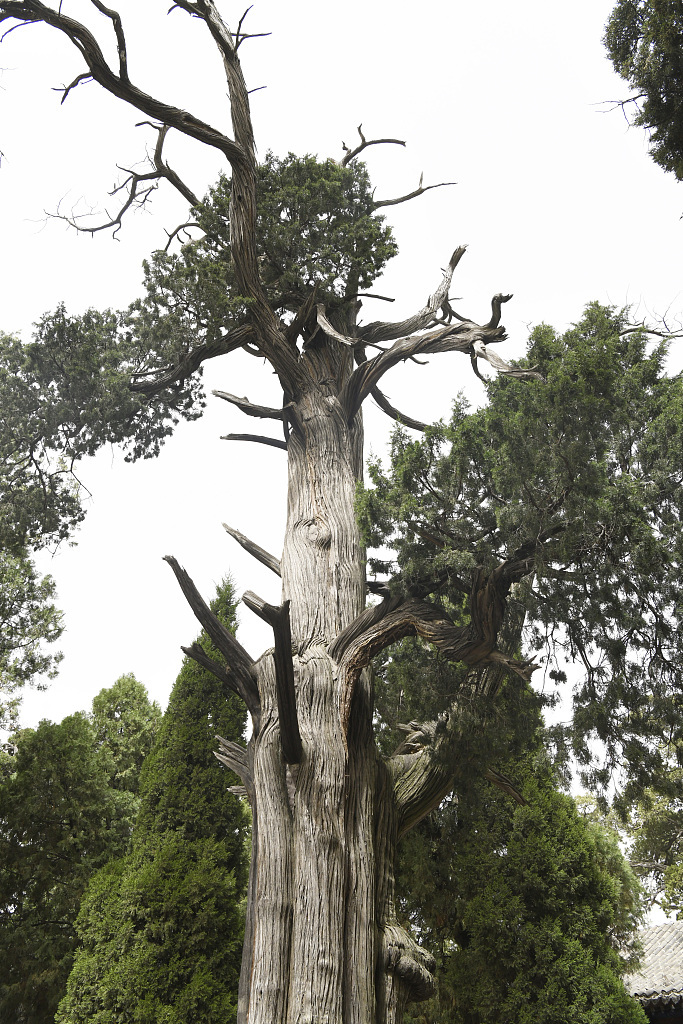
pixel 239 662
pixel 350 154
pixel 419 191
pixel 278 619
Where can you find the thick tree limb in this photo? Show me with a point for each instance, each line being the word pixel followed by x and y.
pixel 238 660
pixel 378 332
pixel 274 442
pixel 259 553
pixel 473 644
pixel 331 332
pixel 453 338
pixel 33 11
pixel 245 406
pixel 278 619
pixel 386 406
pixel 159 380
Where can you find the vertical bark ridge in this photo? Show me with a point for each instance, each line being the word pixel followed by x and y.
pixel 360 923
pixel 273 900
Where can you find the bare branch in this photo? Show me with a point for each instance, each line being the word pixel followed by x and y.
pixel 376 332
pixel 420 190
pixel 138 195
pixel 278 619
pixel 258 553
pixel 394 414
pixel 364 143
pixel 235 758
pixel 274 442
pixel 34 11
pixel 496 309
pixel 225 675
pixel 244 405
pixel 331 332
pixel 457 335
pixel 65 90
pixel 177 231
pixel 238 660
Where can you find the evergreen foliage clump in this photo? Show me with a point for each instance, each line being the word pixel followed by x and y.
pixel 161 927
pixel 67 806
pixel 644 40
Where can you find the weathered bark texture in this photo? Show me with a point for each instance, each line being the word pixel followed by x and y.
pixel 323 944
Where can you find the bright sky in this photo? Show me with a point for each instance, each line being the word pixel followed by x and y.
pixel 556 198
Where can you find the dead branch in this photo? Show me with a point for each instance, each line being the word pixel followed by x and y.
pixel 274 442
pixel 278 619
pixel 457 335
pixel 505 784
pixel 235 758
pixel 239 151
pixel 330 331
pixel 394 414
pixel 239 662
pixel 377 332
pixel 496 309
pixel 419 191
pixel 224 674
pixel 259 553
pixel 244 405
pixel 138 194
pixel 349 154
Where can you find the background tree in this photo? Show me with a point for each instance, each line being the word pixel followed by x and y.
pixel 64 812
pixel 644 40
pixel 535 516
pixel 162 927
pixel 528 908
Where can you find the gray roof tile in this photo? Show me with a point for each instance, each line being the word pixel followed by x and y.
pixel 660 977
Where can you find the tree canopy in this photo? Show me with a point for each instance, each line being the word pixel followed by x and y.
pixel 644 40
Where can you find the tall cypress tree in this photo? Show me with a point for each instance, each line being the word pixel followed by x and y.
pixel 162 927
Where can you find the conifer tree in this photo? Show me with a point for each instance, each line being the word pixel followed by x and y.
pixel 67 806
pixel 162 928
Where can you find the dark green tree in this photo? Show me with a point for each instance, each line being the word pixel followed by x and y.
pixel 528 909
pixel 644 40
pixel 162 928
pixel 67 805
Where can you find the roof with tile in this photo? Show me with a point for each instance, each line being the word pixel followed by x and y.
pixel 659 981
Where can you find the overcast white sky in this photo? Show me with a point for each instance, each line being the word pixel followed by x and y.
pixel 556 198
